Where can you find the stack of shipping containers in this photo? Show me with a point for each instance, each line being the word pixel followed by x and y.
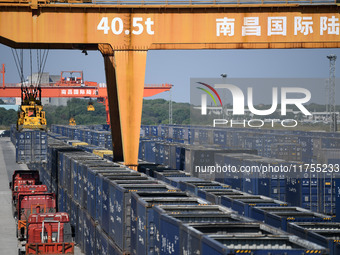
pixel 112 205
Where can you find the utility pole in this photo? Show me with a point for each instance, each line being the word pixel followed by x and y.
pixel 327 96
pixel 224 107
pixel 331 91
pixel 170 108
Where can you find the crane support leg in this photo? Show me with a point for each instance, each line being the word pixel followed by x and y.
pixel 125 73
pixel 130 74
pixel 110 74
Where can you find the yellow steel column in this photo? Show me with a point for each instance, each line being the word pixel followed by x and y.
pixel 110 73
pixel 130 73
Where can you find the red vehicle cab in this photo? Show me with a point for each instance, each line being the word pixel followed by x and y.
pixel 30 204
pixel 24 177
pixel 28 189
pixel 48 233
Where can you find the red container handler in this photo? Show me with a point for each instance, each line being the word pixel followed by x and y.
pixel 48 233
pixel 30 204
pixel 24 177
pixel 28 189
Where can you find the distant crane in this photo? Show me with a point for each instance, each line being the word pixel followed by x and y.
pixel 72 85
pixel 331 93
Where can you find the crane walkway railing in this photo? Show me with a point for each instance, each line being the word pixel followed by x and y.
pixel 214 2
pixel 180 2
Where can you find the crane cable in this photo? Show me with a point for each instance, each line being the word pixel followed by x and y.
pixel 41 62
pixel 31 66
pixel 19 63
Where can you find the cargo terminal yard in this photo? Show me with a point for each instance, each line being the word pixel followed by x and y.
pixel 194 189
pixel 123 188
pixel 167 208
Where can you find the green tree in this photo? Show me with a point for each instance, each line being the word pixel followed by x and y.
pixel 156 111
pixel 76 108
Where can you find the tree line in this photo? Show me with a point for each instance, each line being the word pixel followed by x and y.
pixel 155 112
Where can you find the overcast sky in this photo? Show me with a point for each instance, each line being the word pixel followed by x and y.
pixel 177 67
